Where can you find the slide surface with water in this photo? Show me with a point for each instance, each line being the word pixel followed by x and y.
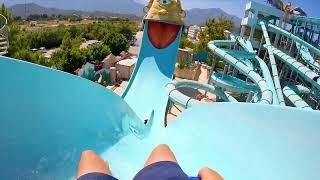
pixel 49 117
pixel 145 92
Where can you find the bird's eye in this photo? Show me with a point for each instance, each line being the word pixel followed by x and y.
pixel 183 13
pixel 146 9
pixel 165 2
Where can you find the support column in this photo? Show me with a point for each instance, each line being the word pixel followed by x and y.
pixel 250 96
pixel 113 74
pixel 243 28
pixel 304 31
pixel 253 28
pixel 277 38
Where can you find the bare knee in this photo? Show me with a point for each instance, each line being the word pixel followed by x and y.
pixel 90 162
pixel 87 153
pixel 163 147
pixel 207 173
pixel 161 153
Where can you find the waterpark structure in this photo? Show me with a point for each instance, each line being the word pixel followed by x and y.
pixel 270 130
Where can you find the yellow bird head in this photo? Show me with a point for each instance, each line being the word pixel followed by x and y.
pixel 169 11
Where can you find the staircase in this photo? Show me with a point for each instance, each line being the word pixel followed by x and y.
pixel 4 32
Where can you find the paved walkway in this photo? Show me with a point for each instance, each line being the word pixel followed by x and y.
pixel 176 110
pixel 119 90
pixel 134 50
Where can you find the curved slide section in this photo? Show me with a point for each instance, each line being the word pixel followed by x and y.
pixel 273 64
pixel 295 38
pixel 183 100
pixel 306 56
pixel 266 93
pixel 298 67
pixel 292 92
pixel 232 83
pixel 263 66
pixel 49 117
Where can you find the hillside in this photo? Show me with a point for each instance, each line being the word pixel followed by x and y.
pixel 199 16
pixel 111 6
pixel 194 16
pixel 24 10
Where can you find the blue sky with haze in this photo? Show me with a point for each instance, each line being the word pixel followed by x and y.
pixel 236 7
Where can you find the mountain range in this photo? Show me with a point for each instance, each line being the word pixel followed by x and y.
pixel 199 16
pixel 120 8
pixel 24 10
pixel 111 6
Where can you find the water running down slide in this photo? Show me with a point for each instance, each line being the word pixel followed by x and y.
pixel 145 92
pixel 49 117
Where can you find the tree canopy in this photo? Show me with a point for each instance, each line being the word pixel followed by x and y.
pixel 5 12
pixel 116 42
pixel 114 37
pixel 214 30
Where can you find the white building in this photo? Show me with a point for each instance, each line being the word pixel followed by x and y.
pixel 194 31
pixel 255 12
pixel 125 67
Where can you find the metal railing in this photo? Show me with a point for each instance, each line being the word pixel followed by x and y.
pixel 4 33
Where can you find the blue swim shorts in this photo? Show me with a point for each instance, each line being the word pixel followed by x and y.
pixel 163 170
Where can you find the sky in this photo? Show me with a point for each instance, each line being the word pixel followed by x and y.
pixel 236 7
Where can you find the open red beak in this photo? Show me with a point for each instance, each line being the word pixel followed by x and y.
pixel 161 34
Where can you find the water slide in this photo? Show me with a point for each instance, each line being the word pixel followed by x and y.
pixel 185 101
pixel 145 92
pixel 306 73
pixel 295 38
pixel 273 64
pixel 293 92
pixel 232 83
pixel 263 66
pixel 215 47
pixel 307 57
pixel 49 117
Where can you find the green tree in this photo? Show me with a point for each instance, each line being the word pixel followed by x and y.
pixel 76 31
pixel 5 12
pixel 34 57
pixel 113 33
pixel 69 43
pixel 18 40
pixel 214 31
pixel 184 42
pixel 99 51
pixel 126 30
pixel 116 42
pixel 68 59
